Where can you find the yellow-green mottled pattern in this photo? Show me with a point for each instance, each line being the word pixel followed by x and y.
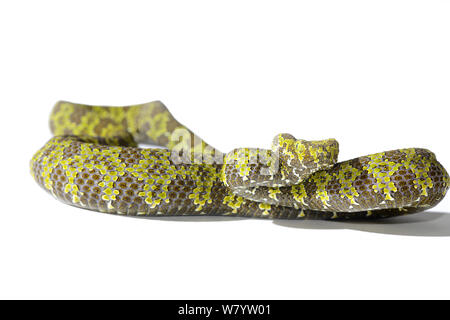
pixel 93 162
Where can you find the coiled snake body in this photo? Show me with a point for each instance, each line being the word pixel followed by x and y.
pixel 93 162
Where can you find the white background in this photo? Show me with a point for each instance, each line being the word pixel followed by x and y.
pixel 373 74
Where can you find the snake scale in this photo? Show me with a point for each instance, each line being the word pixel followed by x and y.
pixel 94 162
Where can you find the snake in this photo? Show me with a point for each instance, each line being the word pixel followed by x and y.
pixel 99 159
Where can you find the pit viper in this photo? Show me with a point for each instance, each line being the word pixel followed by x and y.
pixel 94 161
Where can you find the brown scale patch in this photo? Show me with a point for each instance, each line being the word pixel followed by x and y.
pixel 404 188
pixel 60 122
pixel 104 122
pixel 189 183
pixel 172 125
pixel 94 196
pixel 78 114
pixel 172 195
pixel 122 185
pixel 68 153
pixel 134 186
pixel 401 182
pixel 366 194
pixel 162 140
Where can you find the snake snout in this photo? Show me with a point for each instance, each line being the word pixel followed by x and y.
pixel 319 154
pixel 300 158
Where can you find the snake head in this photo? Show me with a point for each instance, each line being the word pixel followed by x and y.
pixel 300 158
